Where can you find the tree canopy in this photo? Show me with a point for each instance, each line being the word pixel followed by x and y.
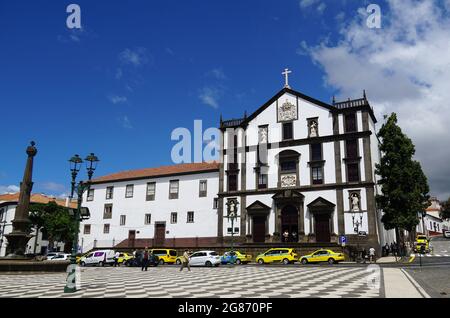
pixel 404 186
pixel 445 210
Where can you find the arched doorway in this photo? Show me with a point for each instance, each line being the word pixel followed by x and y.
pixel 289 224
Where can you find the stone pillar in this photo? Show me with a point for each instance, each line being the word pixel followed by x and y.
pixel 301 222
pixel 20 235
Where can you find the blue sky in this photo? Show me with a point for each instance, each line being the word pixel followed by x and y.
pixel 139 69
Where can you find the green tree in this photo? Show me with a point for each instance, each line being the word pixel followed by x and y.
pixel 404 186
pixel 445 210
pixel 55 221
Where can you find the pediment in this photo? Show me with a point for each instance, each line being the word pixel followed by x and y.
pixel 258 205
pixel 321 204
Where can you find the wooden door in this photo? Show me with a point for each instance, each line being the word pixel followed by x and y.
pixel 259 229
pixel 322 228
pixel 131 238
pixel 160 234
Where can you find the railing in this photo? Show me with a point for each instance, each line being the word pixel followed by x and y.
pixel 351 103
pixel 232 122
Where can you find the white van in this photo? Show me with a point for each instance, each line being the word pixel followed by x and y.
pixel 100 258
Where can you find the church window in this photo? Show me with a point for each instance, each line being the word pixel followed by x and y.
pixel 288 131
pixel 232 182
pixel 350 122
pixel 353 172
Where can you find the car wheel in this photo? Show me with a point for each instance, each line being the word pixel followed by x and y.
pixel 83 264
pixel 286 261
pixel 178 262
pixel 161 262
pixel 304 261
pixel 331 261
pixel 238 261
pixel 208 264
pixel 260 261
pixel 101 264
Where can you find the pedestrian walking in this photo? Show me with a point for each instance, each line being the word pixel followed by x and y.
pixel 145 257
pixel 116 259
pixel 185 261
pixel 372 255
pixel 386 248
pixel 294 236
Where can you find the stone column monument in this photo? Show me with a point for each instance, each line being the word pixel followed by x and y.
pixel 20 235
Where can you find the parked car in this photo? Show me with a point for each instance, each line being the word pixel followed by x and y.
pixel 204 258
pixel 124 258
pixel 322 255
pixel 100 258
pixel 165 256
pixel 50 255
pixel 422 243
pixel 278 255
pixel 60 257
pixel 447 234
pixel 235 257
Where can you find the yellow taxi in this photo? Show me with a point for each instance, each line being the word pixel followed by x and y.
pixel 421 240
pixel 166 256
pixel 278 255
pixel 80 256
pixel 124 258
pixel 322 255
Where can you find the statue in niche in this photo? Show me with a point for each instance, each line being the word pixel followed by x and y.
pixel 313 129
pixel 354 200
pixel 263 135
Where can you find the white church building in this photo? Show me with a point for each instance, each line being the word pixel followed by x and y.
pixel 301 171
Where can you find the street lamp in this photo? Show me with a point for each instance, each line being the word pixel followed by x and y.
pixel 80 213
pixel 232 215
pixel 357 223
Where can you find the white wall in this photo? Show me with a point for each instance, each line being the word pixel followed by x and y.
pixel 135 208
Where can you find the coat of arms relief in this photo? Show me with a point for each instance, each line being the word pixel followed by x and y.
pixel 287 111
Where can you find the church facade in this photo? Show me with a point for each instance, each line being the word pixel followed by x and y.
pixel 297 170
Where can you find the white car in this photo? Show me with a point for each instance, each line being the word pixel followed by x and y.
pixel 60 257
pixel 50 255
pixel 204 258
pixel 447 234
pixel 100 258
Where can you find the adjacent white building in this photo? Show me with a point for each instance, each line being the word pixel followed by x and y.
pixel 39 243
pixel 300 170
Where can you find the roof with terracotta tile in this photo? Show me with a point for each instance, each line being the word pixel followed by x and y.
pixel 35 198
pixel 180 169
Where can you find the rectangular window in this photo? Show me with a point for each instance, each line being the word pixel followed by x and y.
pixel 173 189
pixel 316 152
pixel 174 217
pixel 353 172
pixel 148 219
pixel 109 193
pixel 350 122
pixel 288 166
pixel 123 219
pixel 90 195
pixel 129 191
pixel 232 182
pixel 107 212
pixel 190 217
pixel 106 229
pixel 87 229
pixel 262 181
pixel 216 203
pixel 317 174
pixel 288 131
pixel 151 191
pixel 352 149
pixel 202 188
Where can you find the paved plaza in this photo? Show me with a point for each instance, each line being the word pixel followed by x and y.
pixel 168 282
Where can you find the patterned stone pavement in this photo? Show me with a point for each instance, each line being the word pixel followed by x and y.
pixel 168 282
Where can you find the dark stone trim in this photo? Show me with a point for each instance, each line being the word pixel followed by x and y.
pixel 308 141
pixel 243 188
pixel 220 199
pixel 367 150
pixel 371 211
pixel 340 211
pixel 318 187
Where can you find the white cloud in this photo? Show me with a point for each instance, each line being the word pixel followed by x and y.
pixel 119 74
pixel 321 7
pixel 125 122
pixel 115 99
pixel 217 73
pixel 53 187
pixel 9 189
pixel 135 57
pixel 405 67
pixel 210 96
pixel 307 3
